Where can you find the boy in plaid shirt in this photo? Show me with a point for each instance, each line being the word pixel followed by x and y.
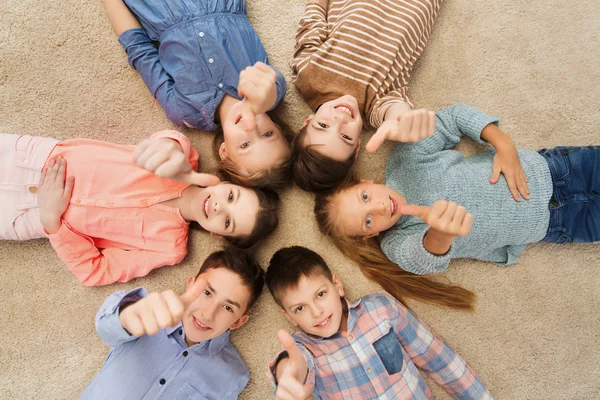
pixel 366 349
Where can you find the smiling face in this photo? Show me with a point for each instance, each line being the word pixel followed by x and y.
pixel 334 130
pixel 366 209
pixel 315 305
pixel 221 305
pixel 226 210
pixel 256 150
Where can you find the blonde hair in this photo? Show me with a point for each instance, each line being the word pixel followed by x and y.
pixel 374 264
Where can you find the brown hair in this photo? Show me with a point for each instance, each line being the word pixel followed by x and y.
pixel 267 220
pixel 315 172
pixel 276 178
pixel 241 263
pixel 289 265
pixel 374 264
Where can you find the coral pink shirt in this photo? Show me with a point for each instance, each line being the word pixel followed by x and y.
pixel 115 228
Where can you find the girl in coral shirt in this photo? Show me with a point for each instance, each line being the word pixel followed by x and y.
pixel 115 212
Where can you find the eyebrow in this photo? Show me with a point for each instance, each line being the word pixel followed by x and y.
pixel 233 303
pixel 316 291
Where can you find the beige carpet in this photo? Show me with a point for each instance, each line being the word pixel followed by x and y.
pixel 536 331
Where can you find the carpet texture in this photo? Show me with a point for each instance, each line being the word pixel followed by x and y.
pixel 536 331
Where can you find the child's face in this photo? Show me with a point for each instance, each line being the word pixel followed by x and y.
pixel 335 128
pixel 315 305
pixel 366 209
pixel 220 306
pixel 226 210
pixel 256 150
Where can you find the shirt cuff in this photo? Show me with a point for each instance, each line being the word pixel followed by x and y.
pixel 108 323
pixel 134 36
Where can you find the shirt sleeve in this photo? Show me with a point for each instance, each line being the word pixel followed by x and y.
pixel 404 246
pixel 380 107
pixel 430 353
pixel 188 150
pixel 94 267
pixel 143 56
pixel 312 32
pixel 107 321
pixel 281 87
pixel 451 124
pixel 310 363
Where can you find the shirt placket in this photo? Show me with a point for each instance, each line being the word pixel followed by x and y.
pixel 365 357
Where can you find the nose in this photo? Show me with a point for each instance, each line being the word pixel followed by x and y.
pixel 216 207
pixel 209 312
pixel 316 311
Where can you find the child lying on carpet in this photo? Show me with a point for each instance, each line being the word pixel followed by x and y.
pixel 165 346
pixel 366 349
pixel 438 205
pixel 123 210
pixel 210 71
pixel 353 59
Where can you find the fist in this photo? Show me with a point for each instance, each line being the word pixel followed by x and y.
pixel 443 216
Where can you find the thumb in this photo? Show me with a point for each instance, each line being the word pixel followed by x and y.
pixel 289 344
pixel 496 169
pixel 201 179
pixel 191 293
pixel 377 139
pixel 413 209
pixel 248 115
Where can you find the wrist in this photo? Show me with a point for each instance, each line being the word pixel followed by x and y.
pixel 437 243
pixel 51 224
pixel 395 111
pixel 493 135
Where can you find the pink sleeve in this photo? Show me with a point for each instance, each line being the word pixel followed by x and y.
pixel 94 267
pixel 188 150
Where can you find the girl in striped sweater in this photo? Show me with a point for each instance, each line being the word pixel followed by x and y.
pixel 354 58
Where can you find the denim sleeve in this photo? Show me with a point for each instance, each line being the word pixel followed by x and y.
pixel 281 88
pixel 143 56
pixel 107 321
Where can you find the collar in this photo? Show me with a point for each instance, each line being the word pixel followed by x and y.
pixel 215 345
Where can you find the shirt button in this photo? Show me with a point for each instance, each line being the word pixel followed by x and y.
pixel 350 337
pixel 220 85
pixel 185 353
pixel 201 34
pixel 369 370
pixel 110 204
pixel 33 189
pixel 181 332
pixel 210 61
pixel 26 210
pixel 162 381
pixel 25 161
pixel 144 202
pixel 77 201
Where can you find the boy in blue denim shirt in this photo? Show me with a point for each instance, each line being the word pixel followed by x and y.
pixel 165 346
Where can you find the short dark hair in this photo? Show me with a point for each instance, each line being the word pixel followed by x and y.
pixel 315 172
pixel 241 263
pixel 289 265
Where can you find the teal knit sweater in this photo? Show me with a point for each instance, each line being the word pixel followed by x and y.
pixel 428 170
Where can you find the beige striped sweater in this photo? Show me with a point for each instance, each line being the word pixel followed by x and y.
pixel 366 48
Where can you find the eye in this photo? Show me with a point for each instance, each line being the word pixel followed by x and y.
pixel 245 145
pixel 227 222
pixel 206 292
pixel 268 134
pixel 321 294
pixel 368 221
pixel 230 197
pixel 365 196
pixel 346 137
pixel 324 126
pixel 229 309
pixel 298 309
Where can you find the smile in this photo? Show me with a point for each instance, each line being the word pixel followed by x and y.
pixel 238 119
pixel 325 322
pixel 199 325
pixel 393 207
pixel 346 109
pixel 206 206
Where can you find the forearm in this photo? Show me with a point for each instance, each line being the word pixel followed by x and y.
pixel 120 17
pixel 493 135
pixel 396 110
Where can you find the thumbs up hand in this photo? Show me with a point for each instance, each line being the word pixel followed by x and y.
pixel 158 310
pixel 258 88
pixel 291 372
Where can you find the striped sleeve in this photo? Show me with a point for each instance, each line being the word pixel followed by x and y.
pixel 381 106
pixel 312 32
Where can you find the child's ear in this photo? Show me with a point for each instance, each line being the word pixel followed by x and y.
pixel 215 235
pixel 369 181
pixel 190 282
pixel 241 321
pixel 357 149
pixel 338 285
pixel 371 235
pixel 288 317
pixel 307 120
pixel 223 152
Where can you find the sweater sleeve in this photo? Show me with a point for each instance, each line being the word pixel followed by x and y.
pixel 380 107
pixel 312 32
pixel 404 246
pixel 95 267
pixel 451 124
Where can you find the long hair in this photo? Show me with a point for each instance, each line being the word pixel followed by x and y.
pixel 315 172
pixel 377 267
pixel 275 178
pixel 267 219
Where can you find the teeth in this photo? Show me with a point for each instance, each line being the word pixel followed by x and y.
pixel 345 109
pixel 206 206
pixel 392 206
pixel 324 322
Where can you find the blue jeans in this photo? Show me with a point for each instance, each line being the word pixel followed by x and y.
pixel 575 202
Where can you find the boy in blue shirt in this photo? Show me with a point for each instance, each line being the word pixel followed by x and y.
pixel 165 346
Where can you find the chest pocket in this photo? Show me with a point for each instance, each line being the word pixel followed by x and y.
pixel 390 352
pixel 187 392
pixel 125 230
